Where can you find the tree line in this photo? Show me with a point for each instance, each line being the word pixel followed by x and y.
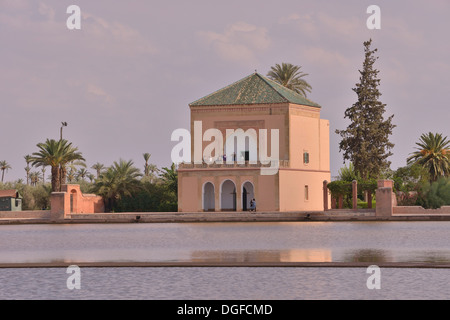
pixel 118 184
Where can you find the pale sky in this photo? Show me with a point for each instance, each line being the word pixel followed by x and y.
pixel 124 81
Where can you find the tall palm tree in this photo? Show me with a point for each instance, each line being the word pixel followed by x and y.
pixel 35 177
pixel 27 168
pixel 70 176
pixel 152 169
pixel 56 154
pixel 119 180
pixel 146 168
pixel 98 167
pixel 91 177
pixel 43 174
pixel 82 173
pixel 70 160
pixel 433 154
pixel 4 166
pixel 290 76
pixel 49 154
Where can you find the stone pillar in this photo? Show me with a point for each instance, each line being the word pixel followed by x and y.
pixel 355 194
pixel 333 203
pixel 325 195
pixel 385 198
pixel 238 194
pixel 57 206
pixel 341 202
pixel 369 199
pixel 216 194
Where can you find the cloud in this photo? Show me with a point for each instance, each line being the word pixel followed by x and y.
pixel 320 56
pixel 115 37
pixel 239 42
pixel 46 11
pixel 99 35
pixel 95 91
pixel 321 24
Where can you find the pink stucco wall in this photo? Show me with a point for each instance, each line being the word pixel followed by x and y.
pixel 309 134
pixel 300 129
pixel 293 188
pixel 81 203
pixel 270 116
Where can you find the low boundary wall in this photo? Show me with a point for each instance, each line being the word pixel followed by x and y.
pixel 38 214
pixel 414 210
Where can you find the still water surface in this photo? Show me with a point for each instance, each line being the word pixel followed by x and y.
pixel 225 283
pixel 268 242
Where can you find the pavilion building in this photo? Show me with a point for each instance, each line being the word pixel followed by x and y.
pixel 253 104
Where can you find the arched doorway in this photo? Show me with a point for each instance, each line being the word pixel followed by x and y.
pixel 208 197
pixel 228 196
pixel 248 193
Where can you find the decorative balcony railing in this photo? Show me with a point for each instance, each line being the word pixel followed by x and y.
pixel 235 164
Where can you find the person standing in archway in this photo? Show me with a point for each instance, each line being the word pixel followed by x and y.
pixel 253 205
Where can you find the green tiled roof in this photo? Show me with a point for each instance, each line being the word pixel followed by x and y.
pixel 254 89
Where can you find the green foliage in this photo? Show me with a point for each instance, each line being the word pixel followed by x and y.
pixel 365 142
pixel 344 189
pixel 124 192
pixel 56 154
pixel 348 173
pixel 290 77
pixel 433 154
pixel 434 195
pixel 364 204
pixel 119 180
pixel 151 197
pixel 170 178
pixel 368 185
pixel 339 188
pixel 407 178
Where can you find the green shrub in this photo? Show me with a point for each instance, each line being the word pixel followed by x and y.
pixel 364 204
pixel 434 195
pixel 152 197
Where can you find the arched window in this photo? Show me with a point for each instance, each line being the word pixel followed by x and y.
pixel 208 197
pixel 228 196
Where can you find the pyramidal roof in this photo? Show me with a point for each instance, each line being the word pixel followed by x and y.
pixel 253 89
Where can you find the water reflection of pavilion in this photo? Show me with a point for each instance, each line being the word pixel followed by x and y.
pixel 292 255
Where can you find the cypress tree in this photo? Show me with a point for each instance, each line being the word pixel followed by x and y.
pixel 365 142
